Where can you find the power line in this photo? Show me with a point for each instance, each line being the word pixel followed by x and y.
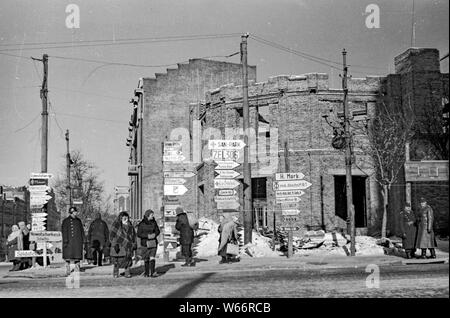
pixel 14 55
pixel 306 55
pixel 87 117
pixel 127 42
pixel 56 120
pixel 16 131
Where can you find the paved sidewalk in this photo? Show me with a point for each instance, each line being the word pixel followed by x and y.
pixel 211 265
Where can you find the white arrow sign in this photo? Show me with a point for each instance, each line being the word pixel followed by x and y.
pixel 291 185
pixel 38 201
pixel 289 193
pixel 290 212
pixel 226 144
pixel 287 199
pixel 227 174
pixel 39 215
pixel 231 198
pixel 40 197
pixel 178 174
pixel 171 145
pixel 39 188
pixel 38 227
pixel 227 192
pixel 46 236
pixel 36 205
pixel 174 181
pixel 227 165
pixel 224 155
pixel 289 176
pixel 225 183
pixel 228 205
pixel 174 158
pixel 38 219
pixel 174 189
pixel 40 175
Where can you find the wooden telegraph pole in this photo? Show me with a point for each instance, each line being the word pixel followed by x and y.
pixel 348 160
pixel 248 206
pixel 69 187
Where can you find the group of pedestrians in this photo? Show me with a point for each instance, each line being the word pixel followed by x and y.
pixel 417 230
pixel 18 240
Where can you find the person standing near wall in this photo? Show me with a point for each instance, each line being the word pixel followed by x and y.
pixel 13 244
pixel 98 236
pixel 408 226
pixel 123 243
pixel 73 239
pixel 186 236
pixel 148 232
pixel 425 236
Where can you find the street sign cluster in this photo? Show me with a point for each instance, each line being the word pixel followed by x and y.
pixel 175 176
pixel 39 196
pixel 225 153
pixel 288 188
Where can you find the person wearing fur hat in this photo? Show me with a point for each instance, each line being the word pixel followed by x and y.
pixel 72 238
pixel 425 236
pixel 148 232
pixel 186 236
pixel 123 243
pixel 408 226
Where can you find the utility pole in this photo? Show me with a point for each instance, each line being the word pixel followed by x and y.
pixel 69 187
pixel 248 206
pixel 44 91
pixel 348 160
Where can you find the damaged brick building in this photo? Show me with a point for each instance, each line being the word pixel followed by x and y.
pixel 289 133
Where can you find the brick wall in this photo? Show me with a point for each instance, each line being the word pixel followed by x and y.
pixel 166 113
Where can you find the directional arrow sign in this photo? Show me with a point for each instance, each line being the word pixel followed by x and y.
pixel 174 181
pixel 287 199
pixel 289 193
pixel 38 219
pixel 290 212
pixel 226 174
pixel 174 189
pixel 171 145
pixel 227 192
pixel 289 176
pixel 39 188
pixel 38 227
pixel 290 228
pixel 38 182
pixel 39 215
pixel 290 219
pixel 40 197
pixel 40 175
pixel 172 152
pixel 291 185
pixel 227 164
pixel 38 201
pixel 36 205
pixel 178 174
pixel 224 155
pixel 226 144
pixel 228 205
pixel 174 158
pixel 230 198
pixel 36 224
pixel 225 183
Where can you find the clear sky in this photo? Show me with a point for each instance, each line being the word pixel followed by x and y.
pixel 92 101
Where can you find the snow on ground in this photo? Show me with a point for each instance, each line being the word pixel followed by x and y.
pixel 207 242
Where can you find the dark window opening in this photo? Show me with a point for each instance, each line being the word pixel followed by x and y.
pixel 359 199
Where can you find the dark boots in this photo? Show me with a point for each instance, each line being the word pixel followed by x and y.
pixel 424 253
pixel 433 253
pixel 146 268
pixel 127 272
pixel 153 272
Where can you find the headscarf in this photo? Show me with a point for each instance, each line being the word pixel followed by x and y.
pixel 124 235
pixel 16 233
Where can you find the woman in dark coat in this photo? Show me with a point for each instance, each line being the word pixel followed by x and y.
pixel 408 227
pixel 73 239
pixel 186 236
pixel 98 236
pixel 425 236
pixel 123 242
pixel 148 232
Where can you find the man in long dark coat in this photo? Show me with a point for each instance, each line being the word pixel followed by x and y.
pixel 98 238
pixel 72 239
pixel 425 236
pixel 186 236
pixel 408 228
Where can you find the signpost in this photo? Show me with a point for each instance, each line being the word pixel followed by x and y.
pixel 226 144
pixel 224 154
pixel 174 189
pixel 225 183
pixel 227 165
pixel 178 174
pixel 288 188
pixel 226 174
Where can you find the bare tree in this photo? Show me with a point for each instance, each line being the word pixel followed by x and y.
pixel 86 186
pixel 385 137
